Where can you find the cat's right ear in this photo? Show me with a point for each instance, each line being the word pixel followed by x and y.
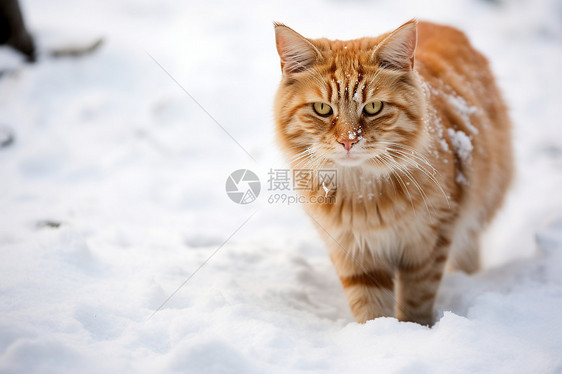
pixel 297 53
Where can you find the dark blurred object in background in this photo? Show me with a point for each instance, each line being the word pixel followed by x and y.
pixel 6 136
pixel 13 31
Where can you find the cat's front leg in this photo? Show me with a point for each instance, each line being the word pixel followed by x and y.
pixel 418 283
pixel 369 287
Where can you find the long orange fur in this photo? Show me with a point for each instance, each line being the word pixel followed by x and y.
pixel 416 183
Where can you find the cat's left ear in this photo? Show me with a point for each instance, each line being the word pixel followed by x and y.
pixel 396 51
pixel 297 53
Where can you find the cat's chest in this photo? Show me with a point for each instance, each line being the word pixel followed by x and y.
pixel 365 204
pixel 368 220
pixel 371 208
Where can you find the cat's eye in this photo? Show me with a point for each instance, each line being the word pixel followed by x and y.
pixel 373 108
pixel 322 109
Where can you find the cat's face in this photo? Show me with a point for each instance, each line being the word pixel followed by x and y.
pixel 346 102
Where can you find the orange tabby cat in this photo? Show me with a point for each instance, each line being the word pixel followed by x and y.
pixel 419 135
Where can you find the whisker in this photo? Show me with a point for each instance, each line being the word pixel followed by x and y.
pixel 393 185
pixel 306 152
pixel 419 167
pixel 315 70
pixel 376 76
pixel 411 177
pixel 314 73
pixel 413 153
pixel 401 181
pixel 407 148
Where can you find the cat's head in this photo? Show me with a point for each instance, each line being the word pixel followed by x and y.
pixel 345 102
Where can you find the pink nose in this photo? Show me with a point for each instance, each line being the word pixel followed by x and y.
pixel 347 143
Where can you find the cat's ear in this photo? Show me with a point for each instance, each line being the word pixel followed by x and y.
pixel 397 50
pixel 297 53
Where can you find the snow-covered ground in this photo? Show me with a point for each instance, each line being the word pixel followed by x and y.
pixel 113 193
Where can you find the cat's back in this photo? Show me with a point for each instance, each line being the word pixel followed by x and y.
pixel 444 51
pixel 459 78
pixel 465 102
pixel 444 40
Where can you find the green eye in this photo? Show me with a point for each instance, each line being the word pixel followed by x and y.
pixel 374 107
pixel 322 109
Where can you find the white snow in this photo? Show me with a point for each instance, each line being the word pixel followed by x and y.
pixel 464 110
pixel 460 178
pixel 134 171
pixel 462 145
pixel 435 128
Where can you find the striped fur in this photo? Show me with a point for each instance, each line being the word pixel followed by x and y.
pixel 422 178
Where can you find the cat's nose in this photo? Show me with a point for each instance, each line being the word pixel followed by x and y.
pixel 348 143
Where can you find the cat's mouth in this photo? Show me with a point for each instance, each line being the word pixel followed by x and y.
pixel 349 158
